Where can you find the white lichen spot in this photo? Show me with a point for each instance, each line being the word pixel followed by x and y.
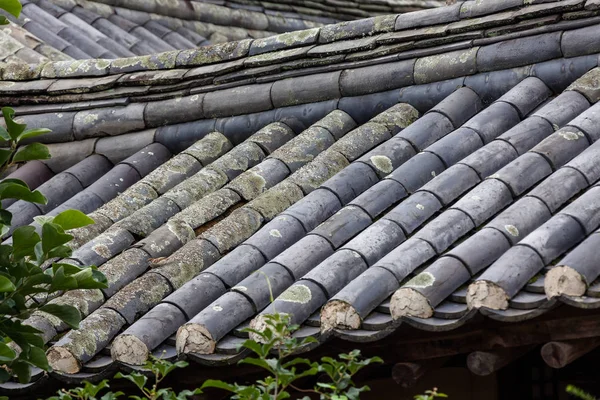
pixel 217 308
pixel 383 163
pixel 194 97
pixel 420 207
pixel 512 230
pixel 421 281
pixel 569 135
pixel 476 198
pixel 240 288
pixel 297 294
pixel 275 233
pixel 90 118
pixel 59 115
pixel 433 173
pixel 150 153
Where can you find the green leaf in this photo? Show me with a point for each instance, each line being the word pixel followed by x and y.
pixel 33 151
pixel 62 280
pixel 22 370
pixel 4 136
pixel 60 252
pixel 138 380
pixel 6 353
pixel 52 237
pixel 13 7
pixel 14 189
pixel 3 21
pixel 29 133
pixel 4 375
pixel 23 335
pixel 72 219
pixel 38 358
pixel 6 285
pixel 24 240
pixel 257 362
pixel 68 314
pixel 211 383
pixel 14 129
pixel 5 156
pixel 5 217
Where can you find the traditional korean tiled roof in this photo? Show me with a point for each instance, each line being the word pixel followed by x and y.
pixel 418 170
pixel 60 30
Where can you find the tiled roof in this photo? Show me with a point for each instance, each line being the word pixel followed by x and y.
pixel 416 169
pixel 60 30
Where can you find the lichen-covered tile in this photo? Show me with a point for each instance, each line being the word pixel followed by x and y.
pixel 76 68
pixel 277 199
pixel 172 172
pixel 80 346
pixel 284 40
pixel 259 178
pixel 360 28
pixel 213 54
pixel 272 136
pixel 588 85
pixel 145 220
pixel 234 229
pixel 208 208
pixel 103 247
pixel 128 202
pixel 199 185
pixel 187 262
pixel 164 60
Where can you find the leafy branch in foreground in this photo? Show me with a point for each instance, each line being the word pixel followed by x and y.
pixel 12 7
pixel 272 354
pixel 28 277
pixel 158 368
pixel 579 393
pixel 430 395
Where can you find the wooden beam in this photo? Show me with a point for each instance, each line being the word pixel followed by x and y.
pixel 561 354
pixel 485 363
pixel 407 374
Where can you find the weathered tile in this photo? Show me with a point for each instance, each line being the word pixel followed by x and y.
pixel 518 52
pixel 213 54
pixel 446 66
pixel 284 40
pixel 376 78
pixel 442 15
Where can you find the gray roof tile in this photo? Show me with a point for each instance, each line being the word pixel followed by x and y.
pixel 391 190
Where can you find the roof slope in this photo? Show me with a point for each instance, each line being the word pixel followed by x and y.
pixel 59 30
pixel 416 169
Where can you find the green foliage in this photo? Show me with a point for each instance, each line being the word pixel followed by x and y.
pixel 430 395
pixel 89 391
pixel 272 354
pixel 11 6
pixel 158 368
pixel 28 277
pixel 579 393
